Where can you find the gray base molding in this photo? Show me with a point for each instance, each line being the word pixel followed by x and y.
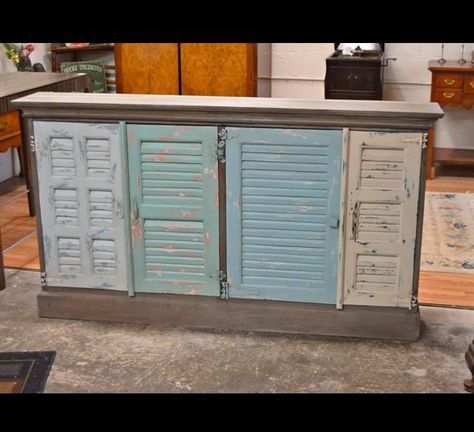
pixel 235 314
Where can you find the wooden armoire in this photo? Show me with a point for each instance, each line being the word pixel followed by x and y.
pixel 209 69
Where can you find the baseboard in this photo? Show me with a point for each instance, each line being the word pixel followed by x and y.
pixel 234 314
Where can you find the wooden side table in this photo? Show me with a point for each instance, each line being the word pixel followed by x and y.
pixel 17 84
pixel 452 84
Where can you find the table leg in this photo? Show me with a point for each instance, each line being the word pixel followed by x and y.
pixel 22 162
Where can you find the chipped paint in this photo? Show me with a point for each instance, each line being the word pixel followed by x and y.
pixel 405 185
pixel 207 240
pixel 215 171
pixel 189 214
pixel 192 291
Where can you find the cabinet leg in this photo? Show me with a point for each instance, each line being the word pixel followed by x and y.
pixel 25 155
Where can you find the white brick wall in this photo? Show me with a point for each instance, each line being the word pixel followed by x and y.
pixel 298 70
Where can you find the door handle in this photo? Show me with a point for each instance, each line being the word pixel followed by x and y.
pixel 135 213
pixel 118 210
pixel 355 221
pixel 334 222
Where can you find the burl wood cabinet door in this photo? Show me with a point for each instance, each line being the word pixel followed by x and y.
pixel 218 69
pixel 147 68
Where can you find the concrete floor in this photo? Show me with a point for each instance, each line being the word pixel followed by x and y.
pixel 114 357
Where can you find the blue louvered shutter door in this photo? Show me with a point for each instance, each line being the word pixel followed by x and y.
pixel 174 208
pixel 283 201
pixel 79 166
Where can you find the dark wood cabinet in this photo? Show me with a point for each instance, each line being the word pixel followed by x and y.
pixel 354 77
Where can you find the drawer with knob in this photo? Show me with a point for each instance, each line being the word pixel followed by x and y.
pixel 469 84
pixel 449 81
pixel 446 96
pixel 9 124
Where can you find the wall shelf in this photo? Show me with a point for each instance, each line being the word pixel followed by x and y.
pixel 76 52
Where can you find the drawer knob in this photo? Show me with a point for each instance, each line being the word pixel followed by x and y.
pixel 449 81
pixel 471 83
pixel 3 125
pixel 448 95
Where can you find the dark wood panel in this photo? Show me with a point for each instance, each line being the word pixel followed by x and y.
pixel 353 78
pixel 218 69
pixel 235 314
pixel 451 156
pixel 147 68
pixel 100 47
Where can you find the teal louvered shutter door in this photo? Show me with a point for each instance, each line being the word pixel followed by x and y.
pixel 174 208
pixel 79 167
pixel 283 202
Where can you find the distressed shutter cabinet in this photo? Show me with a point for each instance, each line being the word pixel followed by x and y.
pixel 275 215
pixel 81 194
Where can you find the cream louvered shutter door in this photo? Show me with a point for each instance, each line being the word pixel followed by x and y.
pixel 81 198
pixel 383 183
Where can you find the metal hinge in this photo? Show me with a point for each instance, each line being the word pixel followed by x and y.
pixel 33 144
pixel 414 302
pixel 221 142
pixel 224 294
pixel 43 279
pixel 424 141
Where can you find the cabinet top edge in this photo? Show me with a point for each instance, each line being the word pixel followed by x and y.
pixel 126 102
pixel 17 82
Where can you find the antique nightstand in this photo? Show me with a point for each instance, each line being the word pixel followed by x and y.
pixel 452 85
